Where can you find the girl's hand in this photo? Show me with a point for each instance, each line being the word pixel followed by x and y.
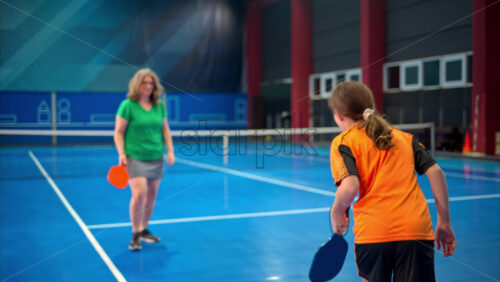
pixel 445 238
pixel 339 219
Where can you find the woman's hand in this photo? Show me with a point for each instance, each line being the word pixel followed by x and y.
pixel 122 159
pixel 170 159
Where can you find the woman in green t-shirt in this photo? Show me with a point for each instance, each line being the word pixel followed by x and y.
pixel 141 129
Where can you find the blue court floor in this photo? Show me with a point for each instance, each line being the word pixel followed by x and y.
pixel 261 217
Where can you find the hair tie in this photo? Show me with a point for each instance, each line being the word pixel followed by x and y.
pixel 368 112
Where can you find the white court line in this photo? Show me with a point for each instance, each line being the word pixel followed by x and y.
pixel 80 222
pixel 215 217
pixel 476 170
pixel 257 177
pixel 450 174
pixel 263 214
pixel 311 189
pixel 475 177
pixel 467 198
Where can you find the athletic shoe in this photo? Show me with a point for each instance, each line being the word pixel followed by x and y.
pixel 135 243
pixel 146 236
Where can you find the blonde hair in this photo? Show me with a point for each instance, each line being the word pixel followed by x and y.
pixel 352 99
pixel 135 82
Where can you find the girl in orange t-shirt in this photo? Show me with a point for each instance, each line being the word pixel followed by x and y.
pixel 392 225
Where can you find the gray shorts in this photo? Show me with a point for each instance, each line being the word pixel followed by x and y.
pixel 148 169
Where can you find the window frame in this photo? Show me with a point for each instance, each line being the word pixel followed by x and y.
pixel 402 75
pixel 324 77
pixel 333 75
pixel 351 72
pixel 455 83
pixel 467 54
pixel 312 95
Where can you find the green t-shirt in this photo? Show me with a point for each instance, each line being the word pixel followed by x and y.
pixel 143 136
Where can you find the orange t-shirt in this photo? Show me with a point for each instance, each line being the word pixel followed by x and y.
pixel 390 205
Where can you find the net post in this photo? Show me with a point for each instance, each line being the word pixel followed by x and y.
pixel 225 147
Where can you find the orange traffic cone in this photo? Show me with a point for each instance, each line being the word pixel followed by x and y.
pixel 467 147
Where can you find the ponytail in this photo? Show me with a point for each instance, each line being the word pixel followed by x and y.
pixel 377 128
pixel 354 100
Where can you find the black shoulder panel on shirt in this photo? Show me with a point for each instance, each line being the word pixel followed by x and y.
pixel 349 160
pixel 423 160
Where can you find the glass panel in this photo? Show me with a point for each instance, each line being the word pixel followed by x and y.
pixel 469 68
pixel 393 77
pixel 340 78
pixel 328 84
pixel 411 75
pixel 317 84
pixel 355 77
pixel 453 70
pixel 431 73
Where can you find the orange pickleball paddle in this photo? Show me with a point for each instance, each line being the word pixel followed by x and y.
pixel 118 176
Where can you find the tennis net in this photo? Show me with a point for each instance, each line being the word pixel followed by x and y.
pixel 218 142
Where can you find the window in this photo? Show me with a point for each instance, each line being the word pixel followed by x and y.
pixel 317 90
pixel 328 84
pixel 449 71
pixel 453 71
pixel 354 75
pixel 314 86
pixel 411 74
pixel 322 85
pixel 340 77
pixel 392 77
pixel 431 73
